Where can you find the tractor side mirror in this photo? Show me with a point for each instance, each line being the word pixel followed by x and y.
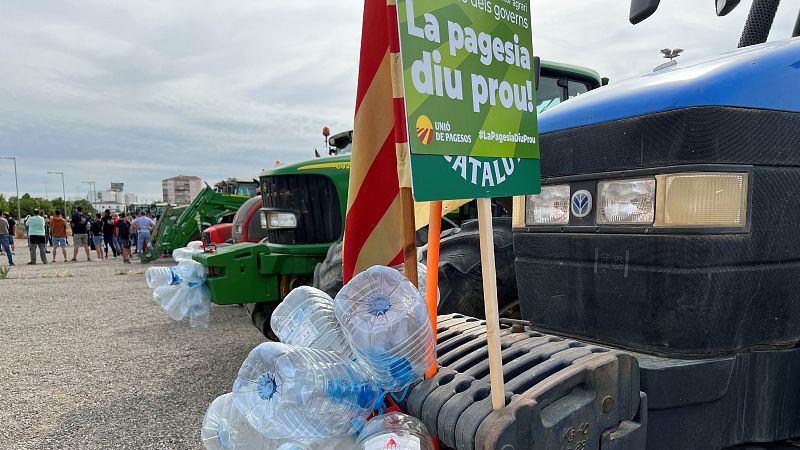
pixel 726 6
pixel 642 9
pixel 537 71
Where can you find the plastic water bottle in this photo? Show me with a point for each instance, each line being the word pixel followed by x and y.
pixel 422 278
pixel 296 392
pixel 157 277
pixel 183 253
pixel 387 325
pixel 305 318
pixel 191 272
pixel 177 305
pixel 225 428
pixel 395 431
pixel 199 305
pixel 163 293
pixel 341 443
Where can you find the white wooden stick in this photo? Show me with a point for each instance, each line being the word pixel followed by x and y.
pixel 490 303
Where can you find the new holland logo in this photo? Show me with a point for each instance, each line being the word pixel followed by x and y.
pixel 581 204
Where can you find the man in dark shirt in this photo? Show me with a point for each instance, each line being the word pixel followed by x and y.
pixel 108 232
pixel 124 236
pixel 80 233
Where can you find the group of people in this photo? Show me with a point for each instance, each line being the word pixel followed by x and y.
pixel 119 231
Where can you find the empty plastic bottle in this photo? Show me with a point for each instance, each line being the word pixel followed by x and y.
pixel 162 293
pixel 199 303
pixel 183 253
pixel 422 277
pixel 176 305
pixel 341 443
pixel 387 325
pixel 191 272
pixel 395 431
pixel 305 318
pixel 296 392
pixel 157 277
pixel 225 428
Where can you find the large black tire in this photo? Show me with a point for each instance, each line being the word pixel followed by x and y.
pixel 460 277
pixel 260 314
pixel 328 274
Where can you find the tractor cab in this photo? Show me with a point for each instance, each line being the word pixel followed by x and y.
pixel 247 187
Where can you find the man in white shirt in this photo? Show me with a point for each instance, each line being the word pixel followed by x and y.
pixel 144 225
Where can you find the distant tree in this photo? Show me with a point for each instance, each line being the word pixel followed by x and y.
pixel 82 202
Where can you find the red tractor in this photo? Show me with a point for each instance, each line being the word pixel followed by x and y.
pixel 246 227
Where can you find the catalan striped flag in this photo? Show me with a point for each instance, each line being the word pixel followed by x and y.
pixel 373 225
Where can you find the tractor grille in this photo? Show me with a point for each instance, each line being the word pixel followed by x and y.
pixel 315 201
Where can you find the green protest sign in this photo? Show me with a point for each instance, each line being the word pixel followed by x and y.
pixel 438 177
pixel 468 77
pixel 470 102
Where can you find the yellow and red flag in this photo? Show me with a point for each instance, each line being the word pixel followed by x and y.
pixel 374 222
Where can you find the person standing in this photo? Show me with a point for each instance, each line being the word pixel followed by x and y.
pixel 108 233
pixel 115 215
pixel 37 237
pixel 97 236
pixel 12 230
pixel 58 231
pixel 124 237
pixel 4 233
pixel 143 225
pixel 48 235
pixel 80 233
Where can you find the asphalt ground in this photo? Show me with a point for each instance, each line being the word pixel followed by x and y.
pixel 89 361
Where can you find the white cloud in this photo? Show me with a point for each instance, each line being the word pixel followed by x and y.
pixel 139 91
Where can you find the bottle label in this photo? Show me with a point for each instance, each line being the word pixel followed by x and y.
pixel 391 441
pixel 300 331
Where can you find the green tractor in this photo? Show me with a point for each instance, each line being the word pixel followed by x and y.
pixel 179 225
pixel 302 215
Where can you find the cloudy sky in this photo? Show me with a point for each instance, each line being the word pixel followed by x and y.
pixel 137 91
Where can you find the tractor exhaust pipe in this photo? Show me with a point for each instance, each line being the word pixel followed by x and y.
pixel 759 22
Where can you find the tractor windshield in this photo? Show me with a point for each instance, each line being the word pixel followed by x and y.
pixel 246 189
pixel 553 90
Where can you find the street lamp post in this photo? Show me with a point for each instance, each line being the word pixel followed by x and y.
pixel 92 191
pixel 45 190
pixel 63 191
pixel 16 183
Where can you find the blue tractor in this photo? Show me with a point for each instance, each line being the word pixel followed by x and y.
pixel 658 271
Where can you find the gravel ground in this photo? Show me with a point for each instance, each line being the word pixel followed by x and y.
pixel 88 361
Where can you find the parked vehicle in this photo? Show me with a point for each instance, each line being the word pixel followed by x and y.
pixel 657 270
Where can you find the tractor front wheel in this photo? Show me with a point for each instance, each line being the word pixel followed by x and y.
pixel 460 277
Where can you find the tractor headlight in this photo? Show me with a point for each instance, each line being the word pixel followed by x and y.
pixel 276 220
pixel 550 207
pixel 702 199
pixel 626 201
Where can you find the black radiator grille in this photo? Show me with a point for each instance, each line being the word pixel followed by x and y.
pixel 315 201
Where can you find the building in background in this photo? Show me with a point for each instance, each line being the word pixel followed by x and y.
pixel 181 190
pixel 114 199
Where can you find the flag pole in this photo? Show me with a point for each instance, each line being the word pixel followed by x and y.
pixel 401 147
pixel 432 278
pixel 486 234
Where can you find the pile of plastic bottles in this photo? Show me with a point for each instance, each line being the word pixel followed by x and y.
pixel 337 360
pixel 179 289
